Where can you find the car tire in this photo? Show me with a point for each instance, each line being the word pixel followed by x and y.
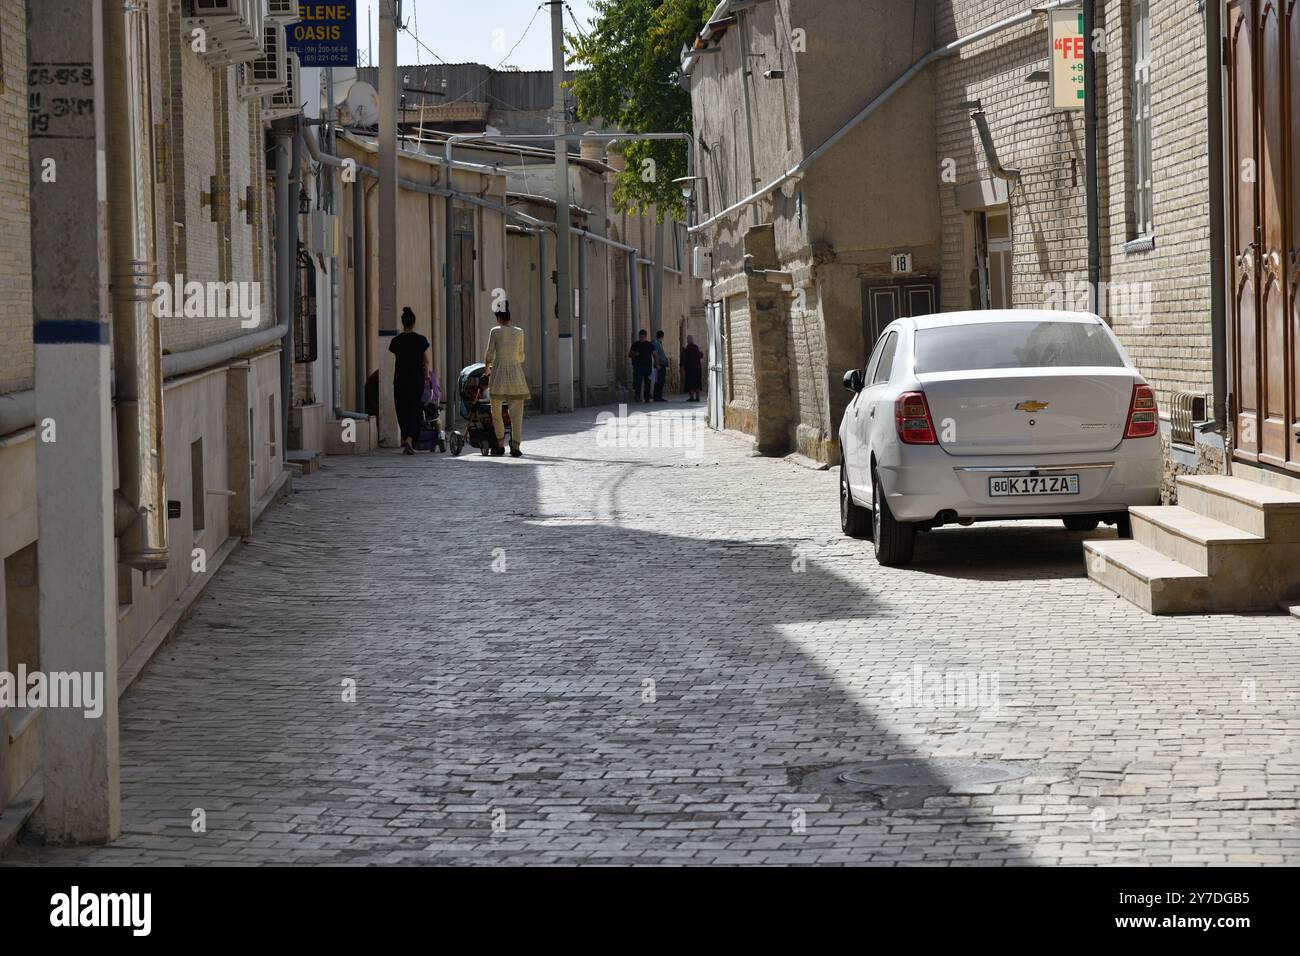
pixel 855 520
pixel 1080 524
pixel 1123 526
pixel 893 539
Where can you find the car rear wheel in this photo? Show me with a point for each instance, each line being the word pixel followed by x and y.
pixel 1124 526
pixel 893 539
pixel 855 520
pixel 1080 524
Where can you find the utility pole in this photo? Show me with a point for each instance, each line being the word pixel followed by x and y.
pixel 389 12
pixel 563 293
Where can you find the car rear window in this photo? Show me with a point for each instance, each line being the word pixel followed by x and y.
pixel 1030 344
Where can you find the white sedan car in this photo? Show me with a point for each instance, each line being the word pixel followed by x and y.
pixel 984 416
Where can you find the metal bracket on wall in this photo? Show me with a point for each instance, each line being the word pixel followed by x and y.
pixel 248 205
pixel 215 197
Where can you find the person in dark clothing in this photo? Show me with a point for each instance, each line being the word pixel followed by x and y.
pixel 661 366
pixel 412 351
pixel 692 369
pixel 643 362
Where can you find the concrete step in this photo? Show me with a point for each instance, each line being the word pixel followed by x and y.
pixel 1190 538
pixel 1266 476
pixel 304 462
pixel 1154 582
pixel 1259 509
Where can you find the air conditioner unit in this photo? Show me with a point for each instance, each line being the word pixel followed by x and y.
pixel 285 102
pixel 266 74
pixel 282 11
pixel 232 29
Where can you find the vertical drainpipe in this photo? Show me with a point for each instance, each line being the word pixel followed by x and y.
pixel 1218 185
pixel 1090 155
pixel 541 319
pixel 137 344
pixel 359 292
pixel 632 269
pixel 287 347
pixel 582 322
pixel 449 263
pixel 743 16
pixel 286 204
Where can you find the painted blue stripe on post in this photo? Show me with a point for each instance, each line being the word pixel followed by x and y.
pixel 70 332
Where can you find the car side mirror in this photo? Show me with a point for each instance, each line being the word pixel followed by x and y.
pixel 853 380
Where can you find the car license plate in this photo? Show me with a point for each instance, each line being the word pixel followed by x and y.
pixel 1034 485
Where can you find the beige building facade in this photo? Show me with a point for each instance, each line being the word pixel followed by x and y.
pixel 223 443
pixel 985 219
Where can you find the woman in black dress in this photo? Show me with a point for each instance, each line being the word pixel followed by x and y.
pixel 692 369
pixel 409 374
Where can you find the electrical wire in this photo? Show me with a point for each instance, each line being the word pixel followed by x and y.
pixel 573 18
pixel 474 89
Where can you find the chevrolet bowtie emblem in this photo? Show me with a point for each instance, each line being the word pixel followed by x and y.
pixel 1031 406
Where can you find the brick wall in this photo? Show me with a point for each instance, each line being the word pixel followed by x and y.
pixel 1171 343
pixel 739 353
pixel 1048 205
pixel 1157 300
pixel 15 234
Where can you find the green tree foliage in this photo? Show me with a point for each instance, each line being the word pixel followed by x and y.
pixel 632 58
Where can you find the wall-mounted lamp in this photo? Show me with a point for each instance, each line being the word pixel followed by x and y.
pixel 1038 76
pixel 687 184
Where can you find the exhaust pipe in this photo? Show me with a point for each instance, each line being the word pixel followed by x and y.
pixel 137 345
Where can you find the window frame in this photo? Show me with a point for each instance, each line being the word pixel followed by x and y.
pixel 1142 190
pixel 888 345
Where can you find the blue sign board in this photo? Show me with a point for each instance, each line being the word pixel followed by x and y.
pixel 325 34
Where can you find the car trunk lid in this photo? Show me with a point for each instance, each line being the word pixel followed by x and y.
pixel 1034 410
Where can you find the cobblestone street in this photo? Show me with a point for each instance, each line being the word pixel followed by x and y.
pixel 609 654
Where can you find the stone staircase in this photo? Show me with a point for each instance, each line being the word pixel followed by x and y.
pixel 1230 544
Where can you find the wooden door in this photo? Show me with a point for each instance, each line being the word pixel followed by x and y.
pixel 1263 135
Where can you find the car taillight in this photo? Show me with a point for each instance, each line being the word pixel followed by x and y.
pixel 915 427
pixel 1143 417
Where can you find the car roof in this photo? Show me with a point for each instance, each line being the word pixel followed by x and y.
pixel 990 316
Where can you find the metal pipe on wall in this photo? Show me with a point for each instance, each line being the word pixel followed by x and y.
pixel 541 320
pixel 137 343
pixel 286 257
pixel 1092 187
pixel 582 322
pixel 359 293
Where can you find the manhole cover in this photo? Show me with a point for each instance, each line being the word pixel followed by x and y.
pixel 930 773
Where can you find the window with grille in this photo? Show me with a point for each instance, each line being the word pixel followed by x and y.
pixel 1141 224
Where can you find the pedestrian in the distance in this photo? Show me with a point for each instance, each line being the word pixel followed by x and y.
pixel 661 366
pixel 409 375
pixel 643 363
pixel 692 369
pixel 507 383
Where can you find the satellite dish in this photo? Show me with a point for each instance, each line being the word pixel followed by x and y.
pixel 363 104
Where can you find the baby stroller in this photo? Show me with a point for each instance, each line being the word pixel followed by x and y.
pixel 472 394
pixel 432 436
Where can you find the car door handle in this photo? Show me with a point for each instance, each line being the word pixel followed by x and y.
pixel 872 413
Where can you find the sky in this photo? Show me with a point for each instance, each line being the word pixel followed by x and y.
pixel 477 31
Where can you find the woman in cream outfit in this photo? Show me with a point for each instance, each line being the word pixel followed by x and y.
pixel 507 382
